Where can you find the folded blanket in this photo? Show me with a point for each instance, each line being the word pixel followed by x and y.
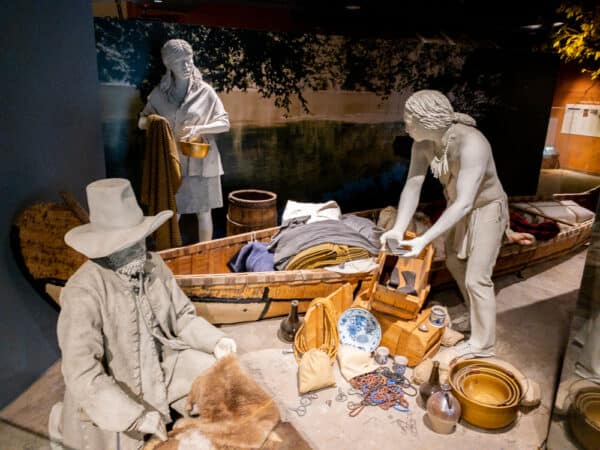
pixel 253 257
pixel 324 255
pixel 350 231
pixel 542 231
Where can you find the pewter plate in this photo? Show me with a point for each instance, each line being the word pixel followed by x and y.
pixel 359 328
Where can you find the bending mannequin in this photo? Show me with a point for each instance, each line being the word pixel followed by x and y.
pixel 477 213
pixel 130 339
pixel 193 109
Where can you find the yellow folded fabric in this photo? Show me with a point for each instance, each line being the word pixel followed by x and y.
pixel 323 255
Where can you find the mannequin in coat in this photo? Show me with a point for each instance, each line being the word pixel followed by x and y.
pixel 130 339
pixel 193 110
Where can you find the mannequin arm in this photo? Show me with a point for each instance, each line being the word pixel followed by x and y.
pixel 217 122
pixel 409 199
pixel 473 163
pixel 220 125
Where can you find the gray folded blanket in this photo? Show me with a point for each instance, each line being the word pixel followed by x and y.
pixel 350 230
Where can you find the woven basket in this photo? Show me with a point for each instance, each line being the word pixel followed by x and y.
pixel 41 231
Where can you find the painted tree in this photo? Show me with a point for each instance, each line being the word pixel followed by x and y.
pixel 578 39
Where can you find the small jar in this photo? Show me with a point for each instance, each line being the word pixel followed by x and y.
pixel 381 355
pixel 437 317
pixel 400 363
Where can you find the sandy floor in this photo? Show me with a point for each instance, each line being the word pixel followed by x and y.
pixel 534 317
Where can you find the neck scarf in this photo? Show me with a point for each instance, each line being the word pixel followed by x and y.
pixel 128 262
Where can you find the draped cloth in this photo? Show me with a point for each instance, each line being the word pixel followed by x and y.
pixel 161 178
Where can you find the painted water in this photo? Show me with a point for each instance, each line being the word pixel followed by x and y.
pixel 302 158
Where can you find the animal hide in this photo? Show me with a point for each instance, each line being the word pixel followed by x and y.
pixel 234 412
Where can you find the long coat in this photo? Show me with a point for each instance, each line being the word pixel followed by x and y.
pixel 106 355
pixel 201 106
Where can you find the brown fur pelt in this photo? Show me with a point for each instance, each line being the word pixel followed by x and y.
pixel 235 412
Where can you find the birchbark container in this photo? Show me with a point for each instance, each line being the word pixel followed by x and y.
pixel 416 339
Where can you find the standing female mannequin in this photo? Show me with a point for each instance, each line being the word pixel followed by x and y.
pixel 193 109
pixel 477 213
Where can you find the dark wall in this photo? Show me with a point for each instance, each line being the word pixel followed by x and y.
pixel 51 141
pixel 516 128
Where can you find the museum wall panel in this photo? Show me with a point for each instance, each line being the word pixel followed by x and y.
pixel 51 141
pixel 577 151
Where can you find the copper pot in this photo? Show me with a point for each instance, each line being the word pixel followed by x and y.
pixel 476 413
pixel 584 417
pixel 194 149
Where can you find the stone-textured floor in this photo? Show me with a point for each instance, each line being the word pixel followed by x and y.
pixel 534 316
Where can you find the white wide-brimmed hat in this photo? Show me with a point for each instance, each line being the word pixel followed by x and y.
pixel 116 220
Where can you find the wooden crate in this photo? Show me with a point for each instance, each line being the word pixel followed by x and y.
pixel 403 337
pixel 390 300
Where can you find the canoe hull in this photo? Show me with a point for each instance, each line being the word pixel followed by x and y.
pixel 224 297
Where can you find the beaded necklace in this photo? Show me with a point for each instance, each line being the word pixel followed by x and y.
pixel 439 165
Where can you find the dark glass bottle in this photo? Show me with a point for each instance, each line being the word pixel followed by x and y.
pixel 289 326
pixel 433 385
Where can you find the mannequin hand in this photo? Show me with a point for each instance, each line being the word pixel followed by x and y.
pixel 143 123
pixel 416 246
pixel 152 423
pixel 191 132
pixel 390 234
pixel 224 347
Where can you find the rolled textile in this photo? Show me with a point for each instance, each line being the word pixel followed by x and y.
pixel 325 255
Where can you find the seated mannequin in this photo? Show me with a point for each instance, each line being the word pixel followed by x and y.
pixel 476 216
pixel 130 339
pixel 193 110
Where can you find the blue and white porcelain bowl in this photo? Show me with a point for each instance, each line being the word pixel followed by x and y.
pixel 359 328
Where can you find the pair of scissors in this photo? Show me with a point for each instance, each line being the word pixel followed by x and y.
pixel 356 408
pixel 305 400
pixel 341 397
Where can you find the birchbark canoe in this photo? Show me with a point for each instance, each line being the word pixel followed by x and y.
pixel 224 297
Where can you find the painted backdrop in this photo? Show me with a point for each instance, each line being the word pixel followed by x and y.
pixel 313 117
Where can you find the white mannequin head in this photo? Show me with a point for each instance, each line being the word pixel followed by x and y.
pixel 178 58
pixel 428 114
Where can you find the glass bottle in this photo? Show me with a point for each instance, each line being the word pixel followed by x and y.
pixel 443 410
pixel 289 326
pixel 433 385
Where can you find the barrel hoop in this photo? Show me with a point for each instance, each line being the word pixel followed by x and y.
pixel 266 224
pixel 255 204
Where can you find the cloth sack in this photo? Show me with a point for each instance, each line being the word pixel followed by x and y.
pixel 315 371
pixel 354 362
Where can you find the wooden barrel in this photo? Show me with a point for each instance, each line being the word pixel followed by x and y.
pixel 250 210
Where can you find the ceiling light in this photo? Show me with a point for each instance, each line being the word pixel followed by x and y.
pixel 352 7
pixel 558 24
pixel 534 26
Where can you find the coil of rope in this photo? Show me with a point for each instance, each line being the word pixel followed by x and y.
pixel 309 330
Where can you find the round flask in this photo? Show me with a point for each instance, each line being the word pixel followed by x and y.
pixel 443 410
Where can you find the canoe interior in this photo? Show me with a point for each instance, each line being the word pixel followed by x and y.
pixel 225 297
